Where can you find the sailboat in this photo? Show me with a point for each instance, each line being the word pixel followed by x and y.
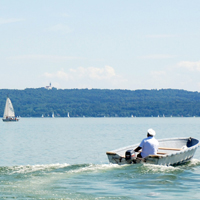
pixel 9 113
pixel 52 114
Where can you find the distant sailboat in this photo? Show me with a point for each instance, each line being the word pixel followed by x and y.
pixel 68 115
pixel 42 115
pixel 52 114
pixel 9 113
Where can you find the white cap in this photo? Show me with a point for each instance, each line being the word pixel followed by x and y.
pixel 151 132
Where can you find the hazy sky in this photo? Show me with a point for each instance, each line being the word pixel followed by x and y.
pixel 112 44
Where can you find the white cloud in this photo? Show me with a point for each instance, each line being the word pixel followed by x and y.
pixel 192 66
pixel 101 73
pixel 91 72
pixel 90 77
pixel 11 20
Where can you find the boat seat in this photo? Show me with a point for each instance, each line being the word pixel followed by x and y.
pixel 110 153
pixel 161 153
pixel 172 149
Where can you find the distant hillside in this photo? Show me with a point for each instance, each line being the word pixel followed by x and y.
pixel 100 103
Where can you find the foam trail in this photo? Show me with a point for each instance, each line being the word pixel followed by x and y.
pixel 194 162
pixel 95 167
pixel 25 169
pixel 22 169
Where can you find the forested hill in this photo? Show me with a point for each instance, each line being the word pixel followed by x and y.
pixel 100 103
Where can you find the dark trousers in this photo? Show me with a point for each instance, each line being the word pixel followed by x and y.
pixel 139 155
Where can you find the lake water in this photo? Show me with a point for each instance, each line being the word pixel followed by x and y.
pixel 65 158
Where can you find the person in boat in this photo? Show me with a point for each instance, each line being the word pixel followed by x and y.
pixel 148 145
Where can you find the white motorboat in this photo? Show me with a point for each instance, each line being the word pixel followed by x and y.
pixel 173 151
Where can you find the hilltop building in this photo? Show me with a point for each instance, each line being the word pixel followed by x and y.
pixel 48 87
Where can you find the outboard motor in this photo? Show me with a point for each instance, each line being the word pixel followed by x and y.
pixel 129 154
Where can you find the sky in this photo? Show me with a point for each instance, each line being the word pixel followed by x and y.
pixel 102 44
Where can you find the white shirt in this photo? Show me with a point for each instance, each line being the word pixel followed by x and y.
pixel 149 146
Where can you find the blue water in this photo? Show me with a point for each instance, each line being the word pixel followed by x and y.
pixel 64 158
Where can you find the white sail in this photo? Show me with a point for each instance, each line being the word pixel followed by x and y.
pixel 9 110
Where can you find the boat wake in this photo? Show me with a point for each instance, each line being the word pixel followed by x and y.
pixel 66 168
pixel 149 168
pixel 194 162
pixel 24 169
pixel 37 181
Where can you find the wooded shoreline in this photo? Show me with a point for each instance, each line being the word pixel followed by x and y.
pixel 102 102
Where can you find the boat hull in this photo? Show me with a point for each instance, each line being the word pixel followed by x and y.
pixel 172 159
pixel 10 120
pixel 172 152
